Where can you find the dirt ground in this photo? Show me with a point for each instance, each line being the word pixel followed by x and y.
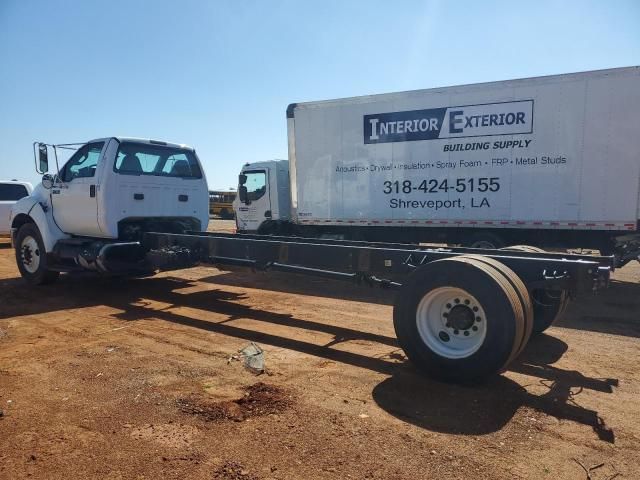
pixel 132 379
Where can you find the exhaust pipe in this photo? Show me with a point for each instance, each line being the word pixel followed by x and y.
pixel 120 257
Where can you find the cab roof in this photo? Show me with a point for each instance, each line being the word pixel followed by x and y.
pixel 143 140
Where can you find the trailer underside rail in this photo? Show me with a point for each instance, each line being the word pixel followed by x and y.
pixel 388 264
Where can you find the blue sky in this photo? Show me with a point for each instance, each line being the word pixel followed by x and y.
pixel 218 75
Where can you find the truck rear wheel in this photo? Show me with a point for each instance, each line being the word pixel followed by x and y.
pixel 548 305
pixel 486 240
pixel 459 320
pixel 523 295
pixel 31 256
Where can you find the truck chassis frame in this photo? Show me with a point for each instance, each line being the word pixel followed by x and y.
pixel 460 314
pixel 387 263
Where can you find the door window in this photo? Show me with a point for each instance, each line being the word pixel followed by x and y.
pixel 83 163
pixel 12 192
pixel 256 185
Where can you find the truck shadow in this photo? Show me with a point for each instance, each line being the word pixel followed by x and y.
pixel 621 302
pixel 301 285
pixel 487 408
pixel 405 394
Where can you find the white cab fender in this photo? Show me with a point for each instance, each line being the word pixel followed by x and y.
pixel 39 210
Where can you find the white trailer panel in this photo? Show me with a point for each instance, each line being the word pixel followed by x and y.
pixel 559 152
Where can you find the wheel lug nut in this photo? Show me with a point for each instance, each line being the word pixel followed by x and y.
pixel 475 309
pixel 467 302
pixel 466 333
pixel 448 325
pixel 456 331
pixel 457 300
pixel 445 314
pixel 444 336
pixel 448 305
pixel 474 328
pixel 478 319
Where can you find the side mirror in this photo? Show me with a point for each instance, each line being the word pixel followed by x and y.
pixel 43 158
pixel 242 193
pixel 242 179
pixel 47 181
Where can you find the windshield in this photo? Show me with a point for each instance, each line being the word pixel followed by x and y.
pixel 159 160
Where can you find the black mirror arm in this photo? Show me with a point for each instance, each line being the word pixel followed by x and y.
pixel 58 175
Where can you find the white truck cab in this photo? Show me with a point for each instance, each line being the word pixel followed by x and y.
pixel 263 195
pixel 109 192
pixel 10 192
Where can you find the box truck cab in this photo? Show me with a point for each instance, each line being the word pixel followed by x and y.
pixel 263 195
pixel 92 212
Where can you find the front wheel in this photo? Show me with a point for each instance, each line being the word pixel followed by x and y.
pixel 31 256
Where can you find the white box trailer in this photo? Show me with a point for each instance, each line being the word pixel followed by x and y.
pixel 549 161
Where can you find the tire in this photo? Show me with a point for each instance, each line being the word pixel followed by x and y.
pixel 548 305
pixel 523 295
pixel 31 256
pixel 486 240
pixel 435 344
pixel 268 227
pixel 276 227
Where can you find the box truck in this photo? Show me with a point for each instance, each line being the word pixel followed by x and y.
pixel 550 161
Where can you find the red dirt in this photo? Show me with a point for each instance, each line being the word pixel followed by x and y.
pixel 259 399
pixel 130 379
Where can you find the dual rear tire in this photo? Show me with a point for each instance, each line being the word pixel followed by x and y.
pixel 548 305
pixel 463 319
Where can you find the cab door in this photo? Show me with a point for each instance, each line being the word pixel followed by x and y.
pixel 74 194
pixel 254 200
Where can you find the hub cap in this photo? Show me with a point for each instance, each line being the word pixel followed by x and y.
pixel 451 322
pixel 30 254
